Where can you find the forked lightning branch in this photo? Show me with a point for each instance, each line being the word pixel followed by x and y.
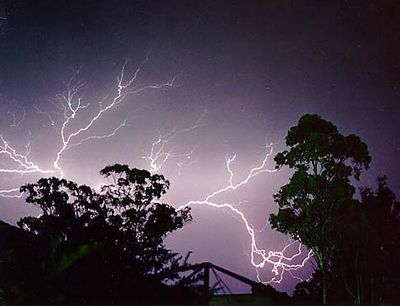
pixel 71 133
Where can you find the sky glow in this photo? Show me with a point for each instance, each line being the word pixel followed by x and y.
pixel 70 132
pixel 201 92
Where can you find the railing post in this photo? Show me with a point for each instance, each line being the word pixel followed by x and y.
pixel 206 278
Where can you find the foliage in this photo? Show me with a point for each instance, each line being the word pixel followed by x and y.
pixel 100 246
pixel 355 239
pixel 368 247
pixel 309 291
pixel 324 163
pixel 363 268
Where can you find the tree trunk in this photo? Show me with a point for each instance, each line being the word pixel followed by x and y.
pixel 358 301
pixel 321 263
pixel 347 287
pixel 358 280
pixel 324 286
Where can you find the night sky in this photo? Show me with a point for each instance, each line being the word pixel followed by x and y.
pixel 243 73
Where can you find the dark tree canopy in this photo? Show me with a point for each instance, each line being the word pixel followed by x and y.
pixel 363 269
pixel 98 246
pixel 309 291
pixel 368 247
pixel 316 146
pixel 324 163
pixel 355 238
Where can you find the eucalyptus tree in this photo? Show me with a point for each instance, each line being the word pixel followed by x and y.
pixel 324 164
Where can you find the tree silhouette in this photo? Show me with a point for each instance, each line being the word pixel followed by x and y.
pixel 98 247
pixel 309 291
pixel 369 247
pixel 324 161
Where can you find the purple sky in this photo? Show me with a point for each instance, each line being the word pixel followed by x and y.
pixel 243 74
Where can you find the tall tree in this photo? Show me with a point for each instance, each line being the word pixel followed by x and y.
pixel 324 162
pixel 367 248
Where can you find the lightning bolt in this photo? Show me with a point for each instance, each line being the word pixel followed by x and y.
pixel 259 257
pixel 10 193
pixel 71 133
pixel 281 263
pixel 97 137
pixel 22 163
pixel 160 152
pixel 72 105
